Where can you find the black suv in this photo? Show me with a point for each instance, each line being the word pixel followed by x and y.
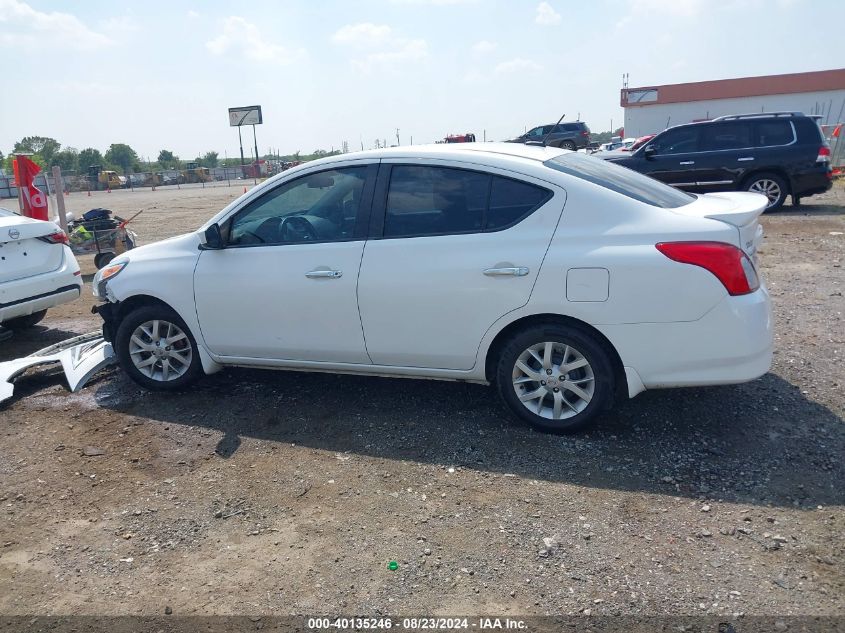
pixel 776 154
pixel 575 135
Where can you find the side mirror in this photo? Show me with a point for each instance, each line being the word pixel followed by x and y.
pixel 212 238
pixel 649 151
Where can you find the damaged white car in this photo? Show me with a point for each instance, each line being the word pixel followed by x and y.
pixel 563 279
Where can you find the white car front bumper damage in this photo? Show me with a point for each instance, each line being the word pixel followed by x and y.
pixel 81 357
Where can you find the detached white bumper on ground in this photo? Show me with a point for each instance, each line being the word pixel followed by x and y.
pixel 81 357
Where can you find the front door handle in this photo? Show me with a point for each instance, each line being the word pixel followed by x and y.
pixel 687 162
pixel 512 271
pixel 319 274
pixel 744 158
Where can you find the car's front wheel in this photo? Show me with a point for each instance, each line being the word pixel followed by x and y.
pixel 156 349
pixel 570 145
pixel 770 185
pixel 555 378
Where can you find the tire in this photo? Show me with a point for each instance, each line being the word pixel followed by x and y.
pixel 570 145
pixel 774 187
pixel 103 259
pixel 142 353
pixel 593 377
pixel 24 322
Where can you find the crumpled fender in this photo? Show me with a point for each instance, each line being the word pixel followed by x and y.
pixel 81 357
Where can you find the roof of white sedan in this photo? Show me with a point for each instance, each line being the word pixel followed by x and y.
pixel 460 150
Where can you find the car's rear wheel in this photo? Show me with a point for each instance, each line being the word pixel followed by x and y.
pixel 103 259
pixel 770 185
pixel 555 378
pixel 570 145
pixel 156 349
pixel 24 322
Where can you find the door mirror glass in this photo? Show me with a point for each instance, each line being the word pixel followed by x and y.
pixel 213 239
pixel 649 151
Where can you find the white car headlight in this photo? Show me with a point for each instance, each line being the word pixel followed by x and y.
pixel 103 275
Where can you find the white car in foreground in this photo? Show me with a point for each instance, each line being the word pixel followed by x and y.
pixel 37 270
pixel 565 280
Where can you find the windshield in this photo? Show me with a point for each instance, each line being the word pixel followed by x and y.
pixel 620 179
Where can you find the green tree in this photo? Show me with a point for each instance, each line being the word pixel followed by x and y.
pixel 209 159
pixel 121 155
pixel 67 159
pixel 168 159
pixel 89 156
pixel 44 146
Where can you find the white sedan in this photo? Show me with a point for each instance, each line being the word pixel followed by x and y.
pixel 565 280
pixel 37 270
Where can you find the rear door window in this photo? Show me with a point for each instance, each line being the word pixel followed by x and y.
pixel 428 200
pixel 726 136
pixel 769 133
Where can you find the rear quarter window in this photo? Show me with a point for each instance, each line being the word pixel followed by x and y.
pixel 770 133
pixel 620 180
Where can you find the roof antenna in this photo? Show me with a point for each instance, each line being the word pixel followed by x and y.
pixel 546 137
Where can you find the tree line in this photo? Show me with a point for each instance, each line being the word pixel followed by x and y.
pixel 121 158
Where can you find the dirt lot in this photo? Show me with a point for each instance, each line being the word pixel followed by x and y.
pixel 267 493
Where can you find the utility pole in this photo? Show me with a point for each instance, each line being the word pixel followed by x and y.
pixel 397 136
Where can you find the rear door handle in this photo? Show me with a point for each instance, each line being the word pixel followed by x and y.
pixel 744 158
pixel 687 162
pixel 512 271
pixel 319 274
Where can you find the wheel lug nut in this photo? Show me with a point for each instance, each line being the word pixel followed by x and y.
pixel 542 382
pixel 556 389
pixel 549 371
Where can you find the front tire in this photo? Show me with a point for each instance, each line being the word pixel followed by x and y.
pixel 555 378
pixel 570 145
pixel 157 350
pixel 770 185
pixel 24 322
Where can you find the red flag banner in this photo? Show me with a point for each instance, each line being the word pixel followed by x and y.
pixel 836 131
pixel 34 200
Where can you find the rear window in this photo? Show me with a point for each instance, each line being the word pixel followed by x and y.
pixel 620 179
pixel 773 133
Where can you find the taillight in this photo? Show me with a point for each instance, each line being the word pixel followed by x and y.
pixel 728 263
pixel 59 237
pixel 824 154
pixel 584 133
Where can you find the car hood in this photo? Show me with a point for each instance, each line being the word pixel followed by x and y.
pixel 179 245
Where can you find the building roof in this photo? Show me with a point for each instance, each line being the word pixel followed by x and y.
pixel 816 81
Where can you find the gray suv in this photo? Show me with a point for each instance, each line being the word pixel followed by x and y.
pixel 575 135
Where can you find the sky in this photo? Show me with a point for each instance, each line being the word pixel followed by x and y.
pixel 162 75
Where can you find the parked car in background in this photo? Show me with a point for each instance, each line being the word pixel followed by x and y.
pixel 37 270
pixel 472 271
pixel 571 136
pixel 638 143
pixel 775 154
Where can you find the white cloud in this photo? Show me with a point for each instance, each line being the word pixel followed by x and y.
pixel 401 51
pixel 193 14
pixel 434 2
pixel 678 8
pixel 238 34
pixel 518 65
pixel 122 24
pixel 483 47
pixel 363 34
pixel 23 25
pixel 546 15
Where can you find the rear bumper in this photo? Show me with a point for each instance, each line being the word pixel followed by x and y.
pixel 731 344
pixel 812 182
pixel 32 294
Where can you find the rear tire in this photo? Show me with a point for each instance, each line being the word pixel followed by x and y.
pixel 24 322
pixel 772 186
pixel 157 350
pixel 555 378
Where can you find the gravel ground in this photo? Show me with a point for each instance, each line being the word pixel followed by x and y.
pixel 267 493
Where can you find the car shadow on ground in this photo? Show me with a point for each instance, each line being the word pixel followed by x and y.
pixel 763 443
pixel 815 210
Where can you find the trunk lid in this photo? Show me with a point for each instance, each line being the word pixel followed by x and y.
pixel 22 254
pixel 739 209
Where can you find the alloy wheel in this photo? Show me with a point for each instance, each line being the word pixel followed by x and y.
pixel 768 188
pixel 553 380
pixel 160 350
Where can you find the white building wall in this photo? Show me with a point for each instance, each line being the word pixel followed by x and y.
pixel 650 119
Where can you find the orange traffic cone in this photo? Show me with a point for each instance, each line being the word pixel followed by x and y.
pixel 244 189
